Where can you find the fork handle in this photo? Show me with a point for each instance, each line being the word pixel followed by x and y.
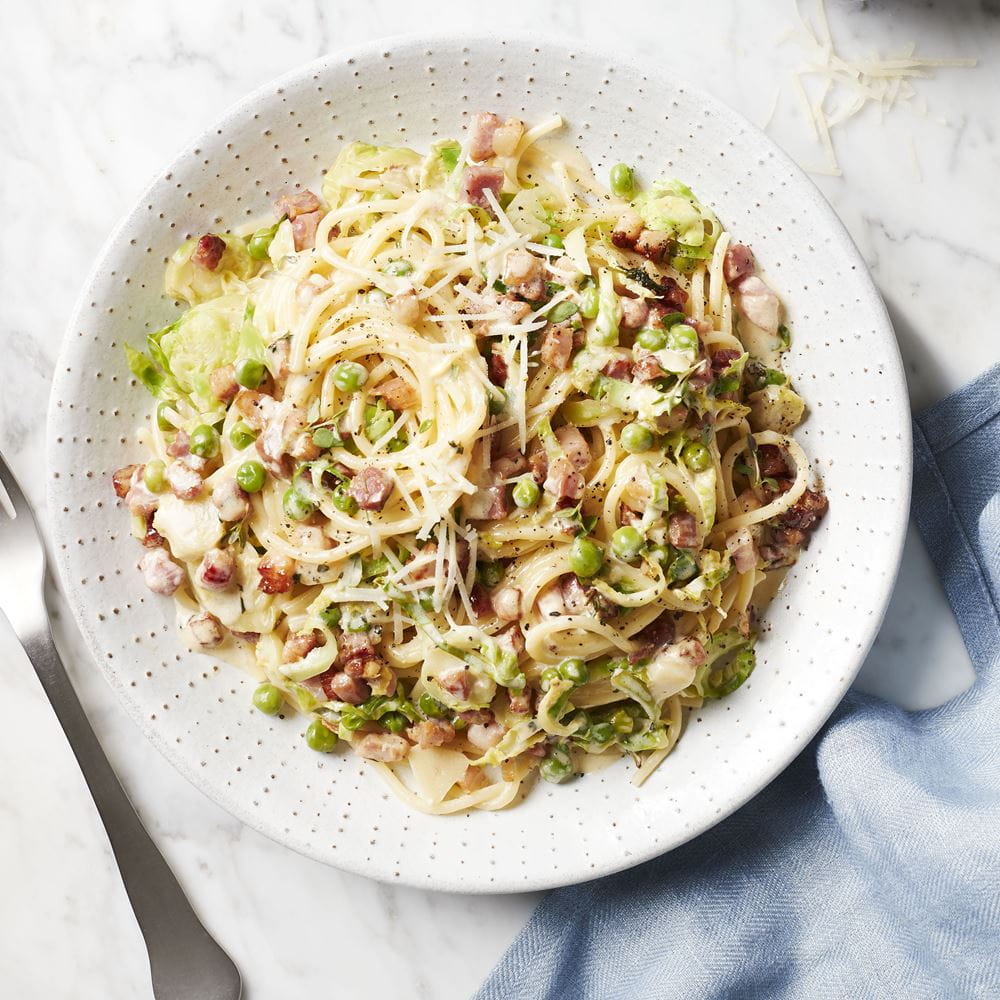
pixel 185 961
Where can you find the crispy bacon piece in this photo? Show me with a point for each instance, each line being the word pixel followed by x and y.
pixel 304 230
pixel 507 603
pixel 140 500
pixel 722 359
pixel 370 488
pixel 397 393
pixel 574 445
pixel 354 646
pixel 230 500
pixel 485 735
pixel 481 132
pixel 683 531
pixel 161 573
pixel 457 681
pixel 511 639
pixel 206 629
pixel 209 251
pixel 295 203
pixel 482 603
pixel 738 263
pixel 223 384
pixel 496 366
pixel 473 779
pixel 384 747
pixel 184 482
pixel 806 512
pixel 564 482
pixel 122 479
pixel 431 733
pixel 645 368
pixel 557 346
pixel 657 634
pixel 743 549
pixel 627 230
pixel 652 244
pixel 152 538
pixel 342 687
pixel 490 503
pixel 673 296
pixel 539 463
pixel 298 645
pixel 619 368
pixel 508 466
pixel 759 304
pixel 217 570
pixel 772 462
pixel 276 573
pixel 635 312
pixel 524 275
pixel 477 180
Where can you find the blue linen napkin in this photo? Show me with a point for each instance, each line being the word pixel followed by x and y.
pixel 871 866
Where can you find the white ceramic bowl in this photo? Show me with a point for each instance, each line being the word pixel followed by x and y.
pixel 844 361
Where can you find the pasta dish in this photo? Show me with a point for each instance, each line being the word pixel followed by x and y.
pixel 477 463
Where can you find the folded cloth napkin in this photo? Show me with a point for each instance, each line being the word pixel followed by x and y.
pixel 871 867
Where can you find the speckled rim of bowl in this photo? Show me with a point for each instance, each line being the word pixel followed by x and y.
pixel 895 528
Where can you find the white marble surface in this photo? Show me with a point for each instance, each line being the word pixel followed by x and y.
pixel 93 98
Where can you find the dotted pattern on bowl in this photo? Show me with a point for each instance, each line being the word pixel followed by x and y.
pixel 844 361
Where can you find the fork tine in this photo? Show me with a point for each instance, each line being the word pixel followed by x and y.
pixel 13 490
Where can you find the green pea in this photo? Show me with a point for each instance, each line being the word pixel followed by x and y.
pixel 260 242
pixel 331 616
pixel 602 732
pixel 547 676
pixel 557 767
pixel 636 438
pixel 162 420
pixel 585 557
pixel 204 441
pixel 398 268
pixel 395 722
pixel 622 180
pixel 241 435
pixel 250 476
pixel 526 492
pixel 652 339
pixel 498 401
pixel 622 721
pixel 349 376
pixel 489 572
pixel 376 297
pixel 590 302
pixel 152 476
pixel 774 377
pixel 343 500
pixel 267 699
pixel 319 738
pixel 250 372
pixel 431 707
pixel 696 456
pixel 682 338
pixel 554 240
pixel 324 437
pixel 574 669
pixel 626 542
pixel 296 506
pixel 683 567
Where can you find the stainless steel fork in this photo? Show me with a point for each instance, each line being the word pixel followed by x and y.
pixel 185 961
